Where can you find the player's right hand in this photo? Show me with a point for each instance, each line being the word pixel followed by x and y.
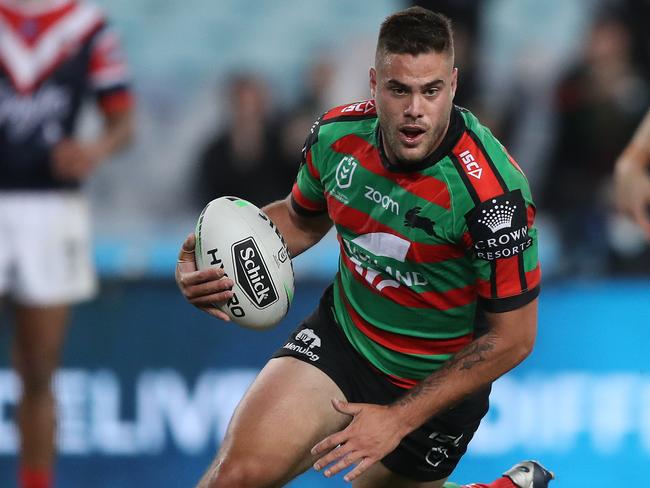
pixel 202 288
pixel 632 193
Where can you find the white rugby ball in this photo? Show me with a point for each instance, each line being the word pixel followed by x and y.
pixel 235 235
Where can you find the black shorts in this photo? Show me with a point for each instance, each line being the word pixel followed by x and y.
pixel 427 454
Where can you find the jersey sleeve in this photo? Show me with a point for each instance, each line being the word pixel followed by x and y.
pixel 502 242
pixel 108 72
pixel 307 194
pixel 496 222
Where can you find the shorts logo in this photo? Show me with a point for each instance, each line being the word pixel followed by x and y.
pixel 310 340
pixel 345 171
pixel 440 452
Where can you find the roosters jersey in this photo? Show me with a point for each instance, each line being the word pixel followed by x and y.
pixel 52 56
pixel 421 244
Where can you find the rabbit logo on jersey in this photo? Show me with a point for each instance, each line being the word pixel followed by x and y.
pixel 309 341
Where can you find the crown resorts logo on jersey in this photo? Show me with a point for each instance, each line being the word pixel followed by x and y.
pixel 252 275
pixel 499 227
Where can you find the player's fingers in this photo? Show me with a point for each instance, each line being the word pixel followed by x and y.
pixel 359 469
pixel 204 289
pixel 341 462
pixel 329 443
pixel 641 215
pixel 206 300
pixel 215 312
pixel 186 260
pixel 345 407
pixel 193 278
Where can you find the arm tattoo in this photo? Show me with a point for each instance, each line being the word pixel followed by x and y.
pixel 465 359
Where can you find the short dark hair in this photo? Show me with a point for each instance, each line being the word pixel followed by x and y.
pixel 414 31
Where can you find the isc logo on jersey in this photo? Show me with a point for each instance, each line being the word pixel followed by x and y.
pixel 252 274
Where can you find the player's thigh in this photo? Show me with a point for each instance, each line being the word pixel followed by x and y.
pixel 285 412
pixel 378 476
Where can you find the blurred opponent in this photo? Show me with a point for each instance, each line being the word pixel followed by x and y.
pixel 632 177
pixel 54 54
pixel 388 376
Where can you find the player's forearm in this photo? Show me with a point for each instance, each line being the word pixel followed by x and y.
pixel 481 362
pixel 117 134
pixel 299 233
pixel 636 156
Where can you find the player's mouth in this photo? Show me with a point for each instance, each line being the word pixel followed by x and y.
pixel 411 135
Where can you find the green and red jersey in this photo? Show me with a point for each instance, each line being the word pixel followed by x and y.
pixel 420 244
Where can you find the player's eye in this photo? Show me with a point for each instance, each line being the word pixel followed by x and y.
pixel 431 92
pixel 398 91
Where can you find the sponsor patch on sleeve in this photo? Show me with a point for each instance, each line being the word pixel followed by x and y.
pixel 499 227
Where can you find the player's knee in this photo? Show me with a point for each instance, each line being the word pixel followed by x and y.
pixel 249 472
pixel 35 376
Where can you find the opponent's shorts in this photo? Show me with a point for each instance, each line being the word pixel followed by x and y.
pixel 45 248
pixel 427 454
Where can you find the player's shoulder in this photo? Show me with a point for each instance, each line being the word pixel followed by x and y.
pixel 484 158
pixel 343 120
pixel 364 109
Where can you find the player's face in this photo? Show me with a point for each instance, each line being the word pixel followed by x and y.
pixel 414 96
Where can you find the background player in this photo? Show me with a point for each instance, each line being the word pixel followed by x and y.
pixel 400 376
pixel 53 53
pixel 632 177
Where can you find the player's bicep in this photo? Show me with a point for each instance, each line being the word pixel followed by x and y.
pixel 503 251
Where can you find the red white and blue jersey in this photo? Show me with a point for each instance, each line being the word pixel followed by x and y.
pixel 53 55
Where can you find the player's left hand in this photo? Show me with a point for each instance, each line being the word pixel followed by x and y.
pixel 373 432
pixel 73 160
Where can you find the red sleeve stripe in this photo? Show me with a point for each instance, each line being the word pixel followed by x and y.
pixel 405 296
pixel 476 170
pixel 116 102
pixel 313 171
pixel 361 223
pixel 530 215
pixel 534 277
pixel 507 277
pixel 305 202
pixel 512 161
pixel 425 187
pixel 406 344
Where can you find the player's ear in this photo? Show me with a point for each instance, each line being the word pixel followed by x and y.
pixel 372 75
pixel 454 81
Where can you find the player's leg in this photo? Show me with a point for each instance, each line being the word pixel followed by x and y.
pixel 39 336
pixel 378 476
pixel 285 412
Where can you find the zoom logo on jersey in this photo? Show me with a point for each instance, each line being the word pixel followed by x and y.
pixel 252 274
pixel 499 227
pixel 384 200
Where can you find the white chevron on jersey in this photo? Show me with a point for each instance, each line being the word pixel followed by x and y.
pixel 27 65
pixel 384 244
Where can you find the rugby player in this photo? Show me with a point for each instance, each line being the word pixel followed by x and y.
pixel 388 377
pixel 54 54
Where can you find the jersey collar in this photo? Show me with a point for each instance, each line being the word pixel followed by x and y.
pixel 454 131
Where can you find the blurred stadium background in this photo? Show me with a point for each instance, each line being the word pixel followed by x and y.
pixel 148 383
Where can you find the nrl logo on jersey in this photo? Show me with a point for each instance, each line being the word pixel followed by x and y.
pixel 345 171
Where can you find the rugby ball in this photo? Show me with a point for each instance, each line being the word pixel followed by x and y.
pixel 235 235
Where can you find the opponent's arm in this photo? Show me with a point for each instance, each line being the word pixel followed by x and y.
pixel 376 430
pixel 632 177
pixel 300 233
pixel 75 160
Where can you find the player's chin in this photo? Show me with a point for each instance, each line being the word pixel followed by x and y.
pixel 412 154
